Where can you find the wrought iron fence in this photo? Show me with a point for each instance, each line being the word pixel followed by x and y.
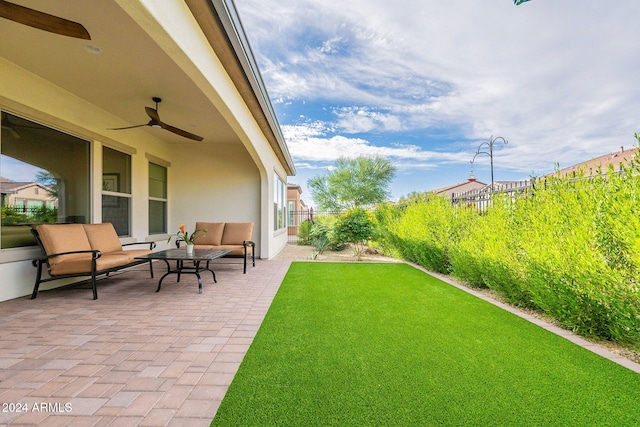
pixel 297 220
pixel 21 213
pixel 480 199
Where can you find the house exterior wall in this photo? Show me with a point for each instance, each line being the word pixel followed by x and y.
pixel 293 201
pixel 30 193
pixel 298 211
pixel 216 182
pixel 227 184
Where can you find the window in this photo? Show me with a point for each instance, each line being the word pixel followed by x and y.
pixel 157 199
pixel 279 207
pixel 36 185
pixel 116 190
pixel 291 210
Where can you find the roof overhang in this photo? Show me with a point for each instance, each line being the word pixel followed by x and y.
pixel 139 59
pixel 228 39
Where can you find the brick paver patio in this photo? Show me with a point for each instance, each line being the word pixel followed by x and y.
pixel 134 356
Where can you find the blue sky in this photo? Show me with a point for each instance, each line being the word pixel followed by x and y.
pixel 424 83
pixel 18 171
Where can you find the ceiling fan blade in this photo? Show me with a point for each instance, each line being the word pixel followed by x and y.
pixel 181 132
pixel 130 127
pixel 42 21
pixel 155 122
pixel 153 114
pixel 11 131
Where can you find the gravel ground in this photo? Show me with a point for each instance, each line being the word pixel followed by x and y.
pixel 307 253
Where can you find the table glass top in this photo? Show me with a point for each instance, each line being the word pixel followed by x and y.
pixel 198 254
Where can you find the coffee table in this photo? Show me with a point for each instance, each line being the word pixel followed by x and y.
pixel 180 256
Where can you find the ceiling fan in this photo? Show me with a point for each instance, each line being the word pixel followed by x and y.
pixel 13 124
pixel 155 122
pixel 8 126
pixel 42 21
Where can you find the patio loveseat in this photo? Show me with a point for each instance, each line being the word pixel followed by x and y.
pixel 233 236
pixel 75 250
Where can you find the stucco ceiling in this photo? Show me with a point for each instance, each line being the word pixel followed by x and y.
pixel 122 79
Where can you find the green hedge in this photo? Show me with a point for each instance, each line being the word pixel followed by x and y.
pixel 570 248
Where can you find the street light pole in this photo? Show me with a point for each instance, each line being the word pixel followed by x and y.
pixel 489 152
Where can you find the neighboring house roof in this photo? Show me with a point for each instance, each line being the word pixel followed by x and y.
pixel 12 187
pixel 461 187
pixel 602 163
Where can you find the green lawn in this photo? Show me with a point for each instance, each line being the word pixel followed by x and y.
pixel 349 344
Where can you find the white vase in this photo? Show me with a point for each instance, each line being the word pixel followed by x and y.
pixel 189 249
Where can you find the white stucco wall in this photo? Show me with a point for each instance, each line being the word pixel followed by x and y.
pixel 226 184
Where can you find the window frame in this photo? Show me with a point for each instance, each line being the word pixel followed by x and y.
pixel 279 204
pixel 119 194
pixel 164 200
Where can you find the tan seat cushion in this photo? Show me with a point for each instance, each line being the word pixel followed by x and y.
pixel 103 237
pixel 236 250
pixel 132 253
pixel 83 265
pixel 57 238
pixel 207 247
pixel 237 232
pixel 213 235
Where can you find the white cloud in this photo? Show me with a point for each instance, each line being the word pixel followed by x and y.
pixel 362 119
pixel 312 145
pixel 557 79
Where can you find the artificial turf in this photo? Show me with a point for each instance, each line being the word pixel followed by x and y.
pixel 349 344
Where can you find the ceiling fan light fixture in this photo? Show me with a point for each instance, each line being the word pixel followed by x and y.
pixel 156 126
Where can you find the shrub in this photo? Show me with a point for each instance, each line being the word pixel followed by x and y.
pixel 11 216
pixel 304 232
pixel 356 226
pixel 570 248
pixel 319 236
pixel 423 230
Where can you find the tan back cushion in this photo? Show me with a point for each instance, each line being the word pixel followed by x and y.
pixel 237 232
pixel 213 235
pixel 103 237
pixel 57 238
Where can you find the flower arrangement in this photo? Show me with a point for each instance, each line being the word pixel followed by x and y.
pixel 184 235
